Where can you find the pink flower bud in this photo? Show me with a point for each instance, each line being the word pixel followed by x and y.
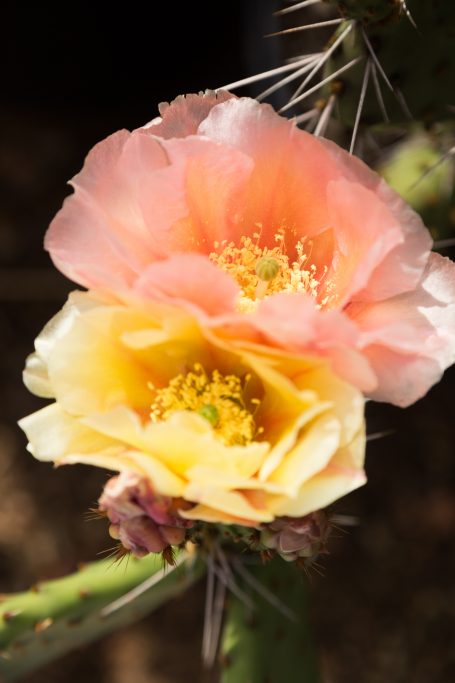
pixel 294 537
pixel 141 520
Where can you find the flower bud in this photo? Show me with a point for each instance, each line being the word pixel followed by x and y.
pixel 141 520
pixel 297 537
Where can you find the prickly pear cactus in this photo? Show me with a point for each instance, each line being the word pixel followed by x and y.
pixel 419 62
pixel 57 616
pixel 265 645
pixel 370 11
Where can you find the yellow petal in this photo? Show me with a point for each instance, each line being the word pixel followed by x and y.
pixel 288 439
pixel 316 447
pixel 36 377
pixel 53 433
pixel 334 481
pixel 161 479
pixel 91 370
pixel 214 477
pixel 207 514
pixel 185 439
pixel 347 403
pixel 231 503
pixel 61 323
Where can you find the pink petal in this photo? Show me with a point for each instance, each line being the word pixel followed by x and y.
pixel 191 281
pixel 292 186
pixel 410 339
pixel 82 248
pixel 403 378
pixel 215 180
pixel 99 237
pixel 137 200
pixel 365 232
pixel 408 258
pixel 291 168
pixel 183 115
pixel 292 322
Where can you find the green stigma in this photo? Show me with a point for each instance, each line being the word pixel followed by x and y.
pixel 267 268
pixel 210 413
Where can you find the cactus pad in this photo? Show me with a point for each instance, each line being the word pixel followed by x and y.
pixel 53 618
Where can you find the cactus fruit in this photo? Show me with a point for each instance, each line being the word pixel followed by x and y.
pixel 57 616
pixel 418 171
pixel 265 645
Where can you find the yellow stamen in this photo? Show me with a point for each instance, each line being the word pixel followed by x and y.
pixel 218 398
pixel 261 271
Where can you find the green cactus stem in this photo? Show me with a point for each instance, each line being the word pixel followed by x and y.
pixel 369 11
pixel 420 64
pixel 55 617
pixel 265 645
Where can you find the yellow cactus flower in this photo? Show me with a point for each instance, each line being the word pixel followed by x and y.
pixel 241 432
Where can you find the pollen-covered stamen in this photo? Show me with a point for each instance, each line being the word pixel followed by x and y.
pixel 262 271
pixel 218 398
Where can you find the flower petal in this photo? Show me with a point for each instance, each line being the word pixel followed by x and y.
pixel 364 237
pixel 231 503
pixel 183 115
pixel 91 370
pixel 53 434
pixel 292 322
pixel 346 404
pixel 190 281
pixel 283 192
pixel 314 450
pixel 342 475
pixel 410 339
pixel 185 439
pixel 165 481
pixel 99 237
pixel 406 259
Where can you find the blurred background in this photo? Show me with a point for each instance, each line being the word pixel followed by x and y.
pixel 69 76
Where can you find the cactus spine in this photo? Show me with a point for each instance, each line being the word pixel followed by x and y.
pixel 419 63
pixel 264 645
pixel 57 616
pixel 369 11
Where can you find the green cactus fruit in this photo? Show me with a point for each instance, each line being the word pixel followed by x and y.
pixel 369 11
pixel 264 645
pixel 417 170
pixel 55 617
pixel 420 64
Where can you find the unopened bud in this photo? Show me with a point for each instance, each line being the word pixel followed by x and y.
pixel 297 537
pixel 141 520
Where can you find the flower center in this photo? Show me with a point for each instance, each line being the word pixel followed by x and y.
pixel 217 398
pixel 261 271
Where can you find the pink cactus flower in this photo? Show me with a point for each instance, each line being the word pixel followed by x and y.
pixel 270 236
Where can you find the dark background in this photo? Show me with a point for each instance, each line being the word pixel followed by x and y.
pixel 70 74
